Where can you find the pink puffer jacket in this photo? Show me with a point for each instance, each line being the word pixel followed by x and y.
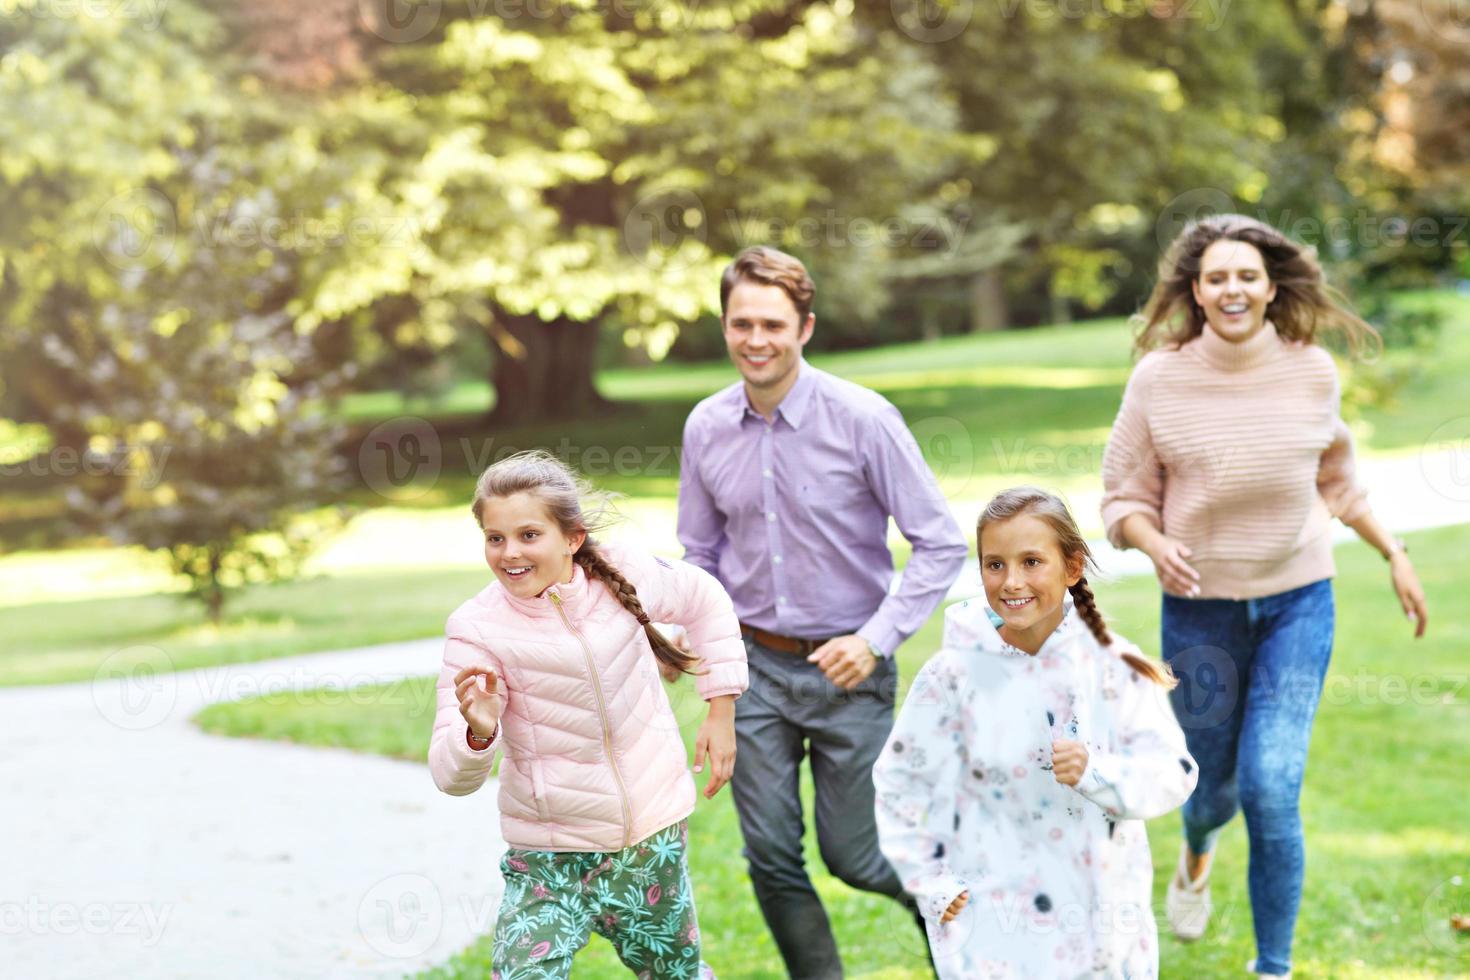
pixel 593 756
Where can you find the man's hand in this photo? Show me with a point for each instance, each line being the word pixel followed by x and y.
pixel 1068 761
pixel 960 902
pixel 846 660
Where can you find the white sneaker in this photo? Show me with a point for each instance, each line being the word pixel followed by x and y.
pixel 1251 968
pixel 1188 903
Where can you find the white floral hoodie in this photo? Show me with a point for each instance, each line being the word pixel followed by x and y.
pixel 1060 878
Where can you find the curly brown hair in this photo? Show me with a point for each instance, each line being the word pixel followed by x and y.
pixel 1304 304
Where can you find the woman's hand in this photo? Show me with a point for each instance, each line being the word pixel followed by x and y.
pixel 1068 761
pixel 1410 592
pixel 1175 574
pixel 717 740
pixel 960 902
pixel 478 702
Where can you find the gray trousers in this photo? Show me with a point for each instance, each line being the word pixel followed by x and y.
pixel 790 710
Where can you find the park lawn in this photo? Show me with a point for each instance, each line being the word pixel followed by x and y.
pixel 989 411
pixel 1382 807
pixel 56 642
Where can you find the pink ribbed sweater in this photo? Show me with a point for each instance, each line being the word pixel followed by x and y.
pixel 1238 452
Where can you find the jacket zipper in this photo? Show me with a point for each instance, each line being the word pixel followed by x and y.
pixel 602 714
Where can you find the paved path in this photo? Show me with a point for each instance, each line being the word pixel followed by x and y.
pixel 132 845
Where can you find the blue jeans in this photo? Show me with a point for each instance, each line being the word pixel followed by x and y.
pixel 1250 676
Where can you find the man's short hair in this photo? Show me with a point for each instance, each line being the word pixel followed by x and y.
pixel 770 267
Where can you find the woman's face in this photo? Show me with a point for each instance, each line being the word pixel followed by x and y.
pixel 1233 290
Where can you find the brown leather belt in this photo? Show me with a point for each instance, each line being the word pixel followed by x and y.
pixel 782 644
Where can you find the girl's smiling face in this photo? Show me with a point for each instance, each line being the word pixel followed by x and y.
pixel 524 547
pixel 1026 578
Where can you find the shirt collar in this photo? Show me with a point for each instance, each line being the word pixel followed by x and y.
pixel 793 407
pixel 541 606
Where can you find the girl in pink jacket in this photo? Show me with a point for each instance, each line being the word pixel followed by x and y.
pixel 557 663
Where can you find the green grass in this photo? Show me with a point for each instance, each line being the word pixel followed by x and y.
pixel 55 642
pixel 1383 804
pixel 989 411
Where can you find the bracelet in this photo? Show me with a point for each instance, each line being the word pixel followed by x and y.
pixel 471 738
pixel 1398 547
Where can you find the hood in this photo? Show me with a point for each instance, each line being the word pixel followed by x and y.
pixel 973 625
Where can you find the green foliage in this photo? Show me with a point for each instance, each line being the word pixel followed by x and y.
pixel 147 270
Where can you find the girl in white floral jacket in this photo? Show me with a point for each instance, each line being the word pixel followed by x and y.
pixel 1031 748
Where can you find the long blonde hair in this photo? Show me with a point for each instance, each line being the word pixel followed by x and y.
pixel 1304 305
pixel 1050 510
pixel 550 481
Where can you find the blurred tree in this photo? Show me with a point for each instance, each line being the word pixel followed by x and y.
pixel 145 272
pixel 565 170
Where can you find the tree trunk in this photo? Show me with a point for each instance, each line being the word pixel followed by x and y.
pixel 987 301
pixel 1061 310
pixel 552 379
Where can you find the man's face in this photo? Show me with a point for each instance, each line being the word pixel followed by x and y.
pixel 764 334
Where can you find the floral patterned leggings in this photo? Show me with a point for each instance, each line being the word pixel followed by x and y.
pixel 639 899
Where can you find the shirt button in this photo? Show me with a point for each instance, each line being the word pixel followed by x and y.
pixel 771 515
pixel 782 600
pixel 776 559
pixel 766 473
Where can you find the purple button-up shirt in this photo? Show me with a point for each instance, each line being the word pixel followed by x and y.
pixel 792 515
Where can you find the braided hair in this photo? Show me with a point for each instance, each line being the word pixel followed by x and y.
pixel 549 479
pixel 1050 510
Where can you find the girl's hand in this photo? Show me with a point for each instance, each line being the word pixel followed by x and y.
pixel 1175 574
pixel 960 902
pixel 717 739
pixel 1068 761
pixel 1410 592
pixel 477 702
